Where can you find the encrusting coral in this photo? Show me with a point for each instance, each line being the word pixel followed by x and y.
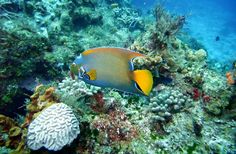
pixel 114 127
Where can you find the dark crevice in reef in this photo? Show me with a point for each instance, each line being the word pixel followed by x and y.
pixel 17 106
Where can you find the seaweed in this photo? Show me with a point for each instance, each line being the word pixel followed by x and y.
pixel 166 28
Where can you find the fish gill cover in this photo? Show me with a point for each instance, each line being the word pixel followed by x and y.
pixel 189 49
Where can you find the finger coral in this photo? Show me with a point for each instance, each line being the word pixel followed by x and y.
pixel 55 127
pixel 168 102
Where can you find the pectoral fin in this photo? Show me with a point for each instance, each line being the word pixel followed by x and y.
pixel 92 74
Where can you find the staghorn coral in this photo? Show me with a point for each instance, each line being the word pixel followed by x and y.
pixel 128 17
pixel 55 127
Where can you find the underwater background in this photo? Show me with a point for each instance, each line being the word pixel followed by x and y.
pixel 206 21
pixel 188 46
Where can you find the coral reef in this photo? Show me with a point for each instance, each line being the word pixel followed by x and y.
pixel 31 30
pixel 12 135
pixel 114 127
pixel 76 93
pixel 209 138
pixel 55 127
pixel 42 98
pixel 167 102
pixel 16 57
pixel 166 28
pixel 191 108
pixel 216 87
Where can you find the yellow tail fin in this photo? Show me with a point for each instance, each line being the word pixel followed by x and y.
pixel 144 80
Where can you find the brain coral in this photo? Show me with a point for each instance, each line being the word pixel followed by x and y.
pixel 54 128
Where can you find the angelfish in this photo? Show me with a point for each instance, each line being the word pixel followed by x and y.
pixel 112 67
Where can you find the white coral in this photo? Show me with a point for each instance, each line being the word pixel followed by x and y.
pixel 76 88
pixel 54 128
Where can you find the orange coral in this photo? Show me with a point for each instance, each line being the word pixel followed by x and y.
pixel 42 98
pixel 230 79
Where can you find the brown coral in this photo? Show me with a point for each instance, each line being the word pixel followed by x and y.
pixel 15 135
pixel 150 63
pixel 6 123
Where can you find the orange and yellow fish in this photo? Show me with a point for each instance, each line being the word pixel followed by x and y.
pixel 230 79
pixel 112 67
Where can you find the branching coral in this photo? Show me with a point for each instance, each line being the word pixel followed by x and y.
pixel 128 17
pixel 72 92
pixel 166 28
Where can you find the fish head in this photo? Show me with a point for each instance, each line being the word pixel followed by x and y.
pixel 76 66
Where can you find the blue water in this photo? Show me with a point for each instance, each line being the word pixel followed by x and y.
pixel 206 19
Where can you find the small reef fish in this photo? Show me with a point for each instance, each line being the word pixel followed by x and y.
pixel 230 79
pixel 112 67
